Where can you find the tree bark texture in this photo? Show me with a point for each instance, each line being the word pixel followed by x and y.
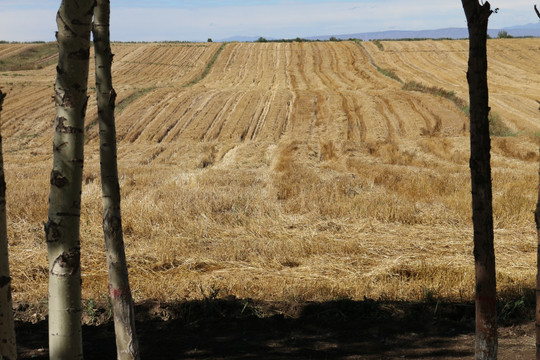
pixel 484 255
pixel 62 228
pixel 537 221
pixel 119 290
pixel 8 348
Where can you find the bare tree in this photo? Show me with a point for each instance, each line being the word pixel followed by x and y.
pixel 62 228
pixel 484 255
pixel 8 348
pixel 119 290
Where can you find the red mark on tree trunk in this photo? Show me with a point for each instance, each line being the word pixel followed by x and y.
pixel 119 293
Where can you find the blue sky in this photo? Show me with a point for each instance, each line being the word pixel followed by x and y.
pixel 198 20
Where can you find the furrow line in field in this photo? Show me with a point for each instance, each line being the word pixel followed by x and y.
pixel 184 107
pixel 9 50
pixel 171 117
pixel 341 67
pixel 279 74
pixel 424 63
pixel 432 123
pixel 360 122
pixel 289 114
pixel 384 109
pixel 261 121
pixel 248 131
pixel 145 120
pixel 218 118
pixel 348 71
pixel 278 116
pixel 192 118
pixel 243 69
pixel 22 106
pixel 229 120
pixel 230 127
pixel 159 65
pixel 291 86
pixel 359 69
pixel 208 114
pixel 260 69
pixel 354 122
pixel 301 79
pixel 321 72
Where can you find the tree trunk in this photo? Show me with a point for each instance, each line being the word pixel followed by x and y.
pixel 484 255
pixel 119 290
pixel 8 348
pixel 62 228
pixel 537 220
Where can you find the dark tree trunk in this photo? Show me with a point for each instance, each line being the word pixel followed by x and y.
pixel 537 220
pixel 484 255
pixel 8 348
pixel 119 290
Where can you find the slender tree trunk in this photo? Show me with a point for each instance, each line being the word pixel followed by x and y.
pixel 62 228
pixel 484 255
pixel 124 315
pixel 537 220
pixel 8 348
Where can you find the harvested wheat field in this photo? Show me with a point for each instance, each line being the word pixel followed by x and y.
pixel 285 172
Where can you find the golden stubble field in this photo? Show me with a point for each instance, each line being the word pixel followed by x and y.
pixel 285 171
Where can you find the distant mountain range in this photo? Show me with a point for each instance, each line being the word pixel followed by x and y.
pixel 447 33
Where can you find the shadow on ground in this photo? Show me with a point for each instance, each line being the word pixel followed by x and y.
pixel 245 329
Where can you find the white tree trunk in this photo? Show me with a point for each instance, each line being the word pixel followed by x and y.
pixel 62 228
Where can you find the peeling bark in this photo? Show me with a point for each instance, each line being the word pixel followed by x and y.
pixel 484 254
pixel 122 303
pixel 8 348
pixel 62 228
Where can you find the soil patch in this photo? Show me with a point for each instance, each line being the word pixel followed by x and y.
pixel 245 329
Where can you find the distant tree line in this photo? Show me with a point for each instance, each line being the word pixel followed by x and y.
pixel 298 39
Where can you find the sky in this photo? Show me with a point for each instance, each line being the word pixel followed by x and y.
pixel 198 20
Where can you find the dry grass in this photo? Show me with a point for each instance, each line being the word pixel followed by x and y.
pixel 306 215
pixel 30 57
pixel 392 224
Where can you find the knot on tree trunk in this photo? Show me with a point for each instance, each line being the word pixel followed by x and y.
pixel 58 180
pixel 62 128
pixel 67 263
pixel 112 225
pixel 52 231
